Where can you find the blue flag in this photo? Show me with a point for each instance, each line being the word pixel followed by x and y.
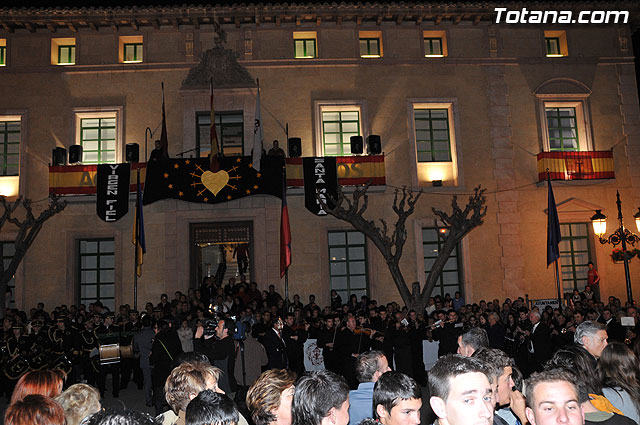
pixel 553 229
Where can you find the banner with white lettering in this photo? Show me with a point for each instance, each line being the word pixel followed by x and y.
pixel 112 191
pixel 321 176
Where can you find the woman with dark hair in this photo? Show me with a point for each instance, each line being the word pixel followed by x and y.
pixel 48 383
pixel 34 409
pixel 620 376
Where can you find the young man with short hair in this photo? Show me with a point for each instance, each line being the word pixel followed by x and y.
pixel 321 398
pixel 461 392
pixel 397 399
pixel 211 408
pixel 552 398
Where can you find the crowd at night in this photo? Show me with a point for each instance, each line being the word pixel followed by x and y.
pixel 239 340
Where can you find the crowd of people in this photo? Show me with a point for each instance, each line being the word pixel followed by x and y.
pixel 232 354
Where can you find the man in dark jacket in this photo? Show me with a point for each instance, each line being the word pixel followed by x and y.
pixel 165 350
pixel 276 349
pixel 538 343
pixel 221 352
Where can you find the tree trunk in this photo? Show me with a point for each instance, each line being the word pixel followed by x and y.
pixel 458 224
pixel 28 229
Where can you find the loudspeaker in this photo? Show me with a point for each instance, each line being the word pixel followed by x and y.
pixel 294 147
pixel 374 146
pixel 357 144
pixel 132 152
pixel 75 154
pixel 59 156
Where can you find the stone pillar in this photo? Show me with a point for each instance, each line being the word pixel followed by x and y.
pixel 508 217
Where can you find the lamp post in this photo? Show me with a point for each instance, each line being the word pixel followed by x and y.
pixel 620 236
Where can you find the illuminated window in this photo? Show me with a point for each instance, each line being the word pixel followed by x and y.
pixel 370 44
pixel 99 132
pixel 10 145
pixel 348 263
pixel 555 44
pixel 433 141
pixel 230 131
pixel 304 43
pixel 565 125
pixel 131 49
pixel 450 280
pixel 98 140
pixel 575 253
pixel 435 44
pixel 132 52
pixel 337 128
pixel 3 52
pixel 63 51
pixel 97 271
pixel 562 124
pixel 432 131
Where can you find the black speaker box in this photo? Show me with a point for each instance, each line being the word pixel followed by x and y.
pixel 294 147
pixel 75 154
pixel 59 156
pixel 132 152
pixel 357 144
pixel 374 145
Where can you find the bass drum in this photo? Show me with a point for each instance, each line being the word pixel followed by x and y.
pixel 38 361
pixel 15 368
pixel 63 363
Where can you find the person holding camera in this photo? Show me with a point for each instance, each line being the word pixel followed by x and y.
pixel 217 344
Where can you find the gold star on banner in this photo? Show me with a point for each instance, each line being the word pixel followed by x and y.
pixel 258 175
pixel 229 197
pixel 248 192
pixel 170 186
pixel 180 193
pixel 206 199
pixel 255 186
pixel 166 175
pixel 176 166
pixel 187 162
pixel 239 160
pixel 250 165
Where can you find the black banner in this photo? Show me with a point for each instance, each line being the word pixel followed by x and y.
pixel 191 180
pixel 321 176
pixel 112 191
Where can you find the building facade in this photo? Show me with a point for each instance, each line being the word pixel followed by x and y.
pixel 457 99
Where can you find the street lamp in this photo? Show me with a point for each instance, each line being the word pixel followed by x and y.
pixel 620 236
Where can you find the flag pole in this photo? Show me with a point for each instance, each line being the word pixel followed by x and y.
pixel 137 224
pixel 557 272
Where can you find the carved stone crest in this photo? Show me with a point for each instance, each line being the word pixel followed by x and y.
pixel 221 65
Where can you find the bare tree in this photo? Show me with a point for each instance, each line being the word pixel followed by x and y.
pixel 457 224
pixel 28 228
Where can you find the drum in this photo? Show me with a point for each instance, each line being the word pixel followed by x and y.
pixel 126 351
pixel 15 368
pixel 63 363
pixel 109 354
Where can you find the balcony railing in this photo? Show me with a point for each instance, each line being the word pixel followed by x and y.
pixel 352 170
pixel 587 165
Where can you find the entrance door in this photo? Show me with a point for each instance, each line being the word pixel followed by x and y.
pixel 221 251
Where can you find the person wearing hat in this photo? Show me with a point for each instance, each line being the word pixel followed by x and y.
pixel 109 333
pixel 130 364
pixel 17 349
pixel 39 339
pixel 87 344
